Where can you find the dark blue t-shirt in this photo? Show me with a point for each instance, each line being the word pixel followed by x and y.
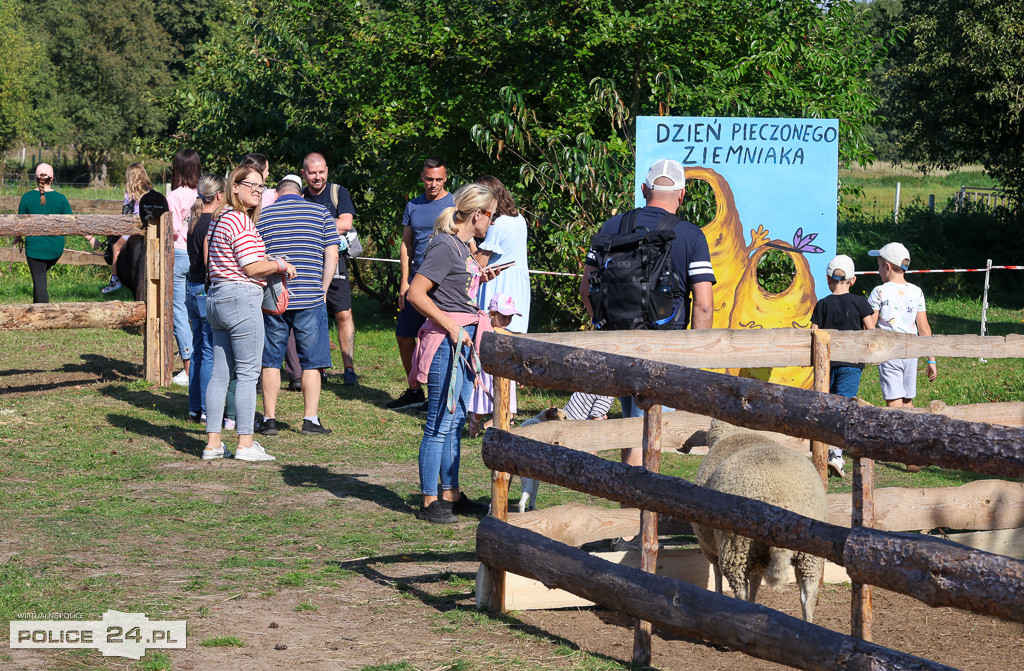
pixel 844 312
pixel 344 206
pixel 421 214
pixel 691 259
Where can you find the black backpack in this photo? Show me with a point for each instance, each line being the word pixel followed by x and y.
pixel 633 285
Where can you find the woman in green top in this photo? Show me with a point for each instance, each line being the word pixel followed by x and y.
pixel 42 251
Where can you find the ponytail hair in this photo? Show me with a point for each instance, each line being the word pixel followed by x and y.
pixel 468 199
pixel 209 186
pixel 241 174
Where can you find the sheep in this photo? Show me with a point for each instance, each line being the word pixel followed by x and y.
pixel 528 500
pixel 769 472
pixel 724 440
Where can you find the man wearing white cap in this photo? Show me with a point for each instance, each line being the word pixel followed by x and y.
pixel 899 306
pixel 663 191
pixel 305 234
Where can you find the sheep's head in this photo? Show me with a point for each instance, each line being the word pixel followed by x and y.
pixel 720 430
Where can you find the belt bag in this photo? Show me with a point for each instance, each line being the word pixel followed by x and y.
pixel 275 294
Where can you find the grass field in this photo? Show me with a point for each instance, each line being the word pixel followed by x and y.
pixel 877 185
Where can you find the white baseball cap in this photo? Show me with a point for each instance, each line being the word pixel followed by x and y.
pixel 292 178
pixel 894 253
pixel 840 268
pixel 666 167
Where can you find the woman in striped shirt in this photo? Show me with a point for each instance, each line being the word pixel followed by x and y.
pixel 237 263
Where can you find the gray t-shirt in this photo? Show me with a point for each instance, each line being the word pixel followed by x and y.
pixel 450 266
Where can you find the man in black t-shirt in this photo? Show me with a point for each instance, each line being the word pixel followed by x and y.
pixel 339 295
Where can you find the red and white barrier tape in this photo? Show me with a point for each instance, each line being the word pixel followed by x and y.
pixel 950 270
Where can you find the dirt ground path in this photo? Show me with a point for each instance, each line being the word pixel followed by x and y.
pixel 401 612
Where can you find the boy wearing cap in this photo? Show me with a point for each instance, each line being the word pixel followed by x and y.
pixel 842 311
pixel 899 306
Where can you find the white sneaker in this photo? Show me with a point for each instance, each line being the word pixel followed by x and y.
pixel 254 453
pixel 114 285
pixel 181 379
pixel 835 463
pixel 211 453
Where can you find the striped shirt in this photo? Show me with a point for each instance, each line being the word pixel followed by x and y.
pixel 234 243
pixel 300 230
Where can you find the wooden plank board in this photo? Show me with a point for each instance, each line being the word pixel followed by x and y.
pixel 680 430
pixel 1007 414
pixel 766 348
pixel 878 346
pixel 70 257
pixel 686 564
pixel 980 505
pixel 1009 542
pixel 707 348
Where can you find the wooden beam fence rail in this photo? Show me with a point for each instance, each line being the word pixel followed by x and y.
pixel 771 348
pixel 51 316
pixel 691 611
pixel 932 570
pixel 70 224
pixel 864 431
pixel 80 205
pixel 157 308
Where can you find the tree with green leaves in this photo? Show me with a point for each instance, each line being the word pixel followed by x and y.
pixel 108 71
pixel 542 94
pixel 954 92
pixel 22 59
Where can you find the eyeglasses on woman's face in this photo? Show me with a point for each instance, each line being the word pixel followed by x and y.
pixel 255 187
pixel 488 214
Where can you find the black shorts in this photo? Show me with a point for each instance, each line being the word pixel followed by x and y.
pixel 409 322
pixel 339 295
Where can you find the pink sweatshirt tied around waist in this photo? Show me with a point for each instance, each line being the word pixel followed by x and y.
pixel 431 336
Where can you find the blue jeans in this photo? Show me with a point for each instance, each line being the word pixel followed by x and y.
pixel 202 347
pixel 441 447
pixel 233 310
pixel 844 380
pixel 182 331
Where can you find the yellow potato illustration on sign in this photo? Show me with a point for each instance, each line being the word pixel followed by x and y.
pixel 739 301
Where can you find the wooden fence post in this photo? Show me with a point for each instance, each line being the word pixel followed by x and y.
pixel 159 300
pixel 648 529
pixel 821 354
pixel 862 515
pixel 492 588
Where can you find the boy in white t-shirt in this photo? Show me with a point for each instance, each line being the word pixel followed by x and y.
pixel 899 306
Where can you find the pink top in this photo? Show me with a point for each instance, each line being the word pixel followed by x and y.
pixel 234 243
pixel 431 336
pixel 180 202
pixel 268 197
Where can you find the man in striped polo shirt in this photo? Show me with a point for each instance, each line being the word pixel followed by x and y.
pixel 305 234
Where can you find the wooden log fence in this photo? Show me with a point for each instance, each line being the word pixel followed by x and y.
pixel 49 316
pixel 80 205
pixel 954 576
pixel 158 319
pixel 685 609
pixel 938 572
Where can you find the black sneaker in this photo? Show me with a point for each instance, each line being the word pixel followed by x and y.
pixel 311 428
pixel 437 513
pixel 268 427
pixel 467 506
pixel 295 385
pixel 408 399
